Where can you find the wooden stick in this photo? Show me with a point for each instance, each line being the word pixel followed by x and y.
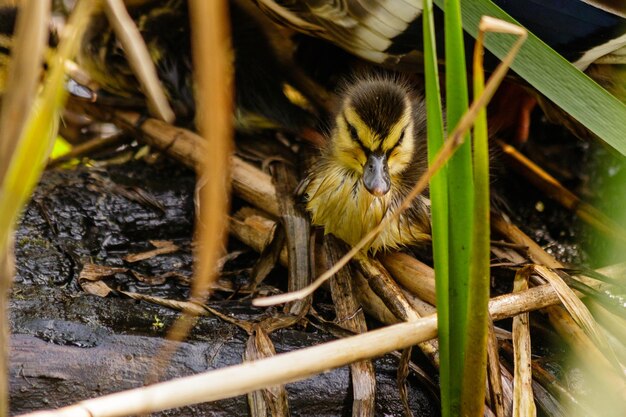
pixel 249 182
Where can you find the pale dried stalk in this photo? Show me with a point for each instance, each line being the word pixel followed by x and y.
pixel 412 274
pixel 139 59
pixel 287 367
pixel 523 402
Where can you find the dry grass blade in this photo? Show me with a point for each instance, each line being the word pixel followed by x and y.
pixel 139 59
pixel 284 368
pixel 523 403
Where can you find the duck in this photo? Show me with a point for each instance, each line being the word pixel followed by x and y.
pixel 375 152
pixel 260 99
pixel 591 34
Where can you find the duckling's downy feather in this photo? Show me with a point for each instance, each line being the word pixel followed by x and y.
pixel 379 115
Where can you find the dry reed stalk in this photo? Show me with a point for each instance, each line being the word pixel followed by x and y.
pixel 296 226
pixel 412 274
pixel 349 316
pixel 259 346
pixel 523 402
pixel 139 59
pixel 287 367
pixel 422 307
pixel 254 229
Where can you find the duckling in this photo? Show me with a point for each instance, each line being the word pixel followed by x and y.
pixel 375 154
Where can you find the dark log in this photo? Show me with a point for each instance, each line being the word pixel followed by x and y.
pixel 68 345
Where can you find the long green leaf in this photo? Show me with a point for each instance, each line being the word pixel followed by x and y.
pixel 438 198
pixel 475 367
pixel 554 77
pixel 460 200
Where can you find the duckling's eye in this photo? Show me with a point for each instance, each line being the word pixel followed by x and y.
pixel 353 134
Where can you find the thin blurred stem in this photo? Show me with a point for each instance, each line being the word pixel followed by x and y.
pixel 213 72
pixel 23 75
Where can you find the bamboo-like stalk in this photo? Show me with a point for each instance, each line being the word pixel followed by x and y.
pixel 288 367
pixel 386 288
pixel 139 59
pixel 412 274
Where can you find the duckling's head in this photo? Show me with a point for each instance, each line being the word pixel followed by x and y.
pixel 374 132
